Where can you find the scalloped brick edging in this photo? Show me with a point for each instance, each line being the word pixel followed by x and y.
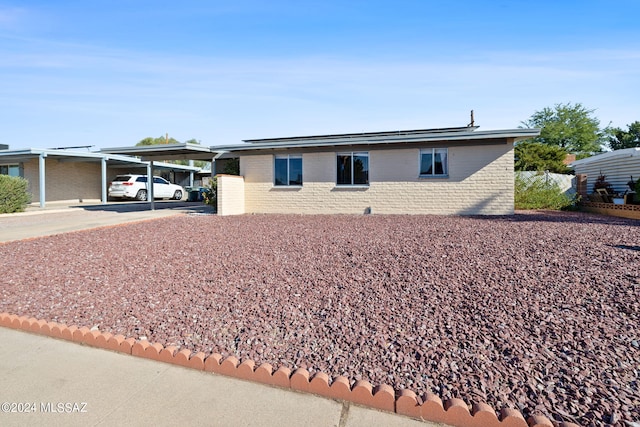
pixel 453 412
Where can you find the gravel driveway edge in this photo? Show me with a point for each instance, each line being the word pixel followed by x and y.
pixel 454 412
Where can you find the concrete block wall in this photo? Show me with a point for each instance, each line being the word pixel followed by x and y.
pixel 65 180
pixel 480 181
pixel 231 195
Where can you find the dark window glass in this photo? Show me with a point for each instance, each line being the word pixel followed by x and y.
pixel 344 169
pixel 11 170
pixel 352 169
pixel 281 171
pixel 433 162
pixel 360 169
pixel 426 163
pixel 439 165
pixel 288 170
pixel 295 170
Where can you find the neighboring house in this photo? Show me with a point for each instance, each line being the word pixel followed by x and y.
pixel 76 175
pixel 457 171
pixel 618 166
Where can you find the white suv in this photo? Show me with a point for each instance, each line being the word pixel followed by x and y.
pixel 135 187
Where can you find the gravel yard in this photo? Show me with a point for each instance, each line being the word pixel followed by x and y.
pixel 539 311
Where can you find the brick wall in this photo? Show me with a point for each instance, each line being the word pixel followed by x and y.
pixel 65 180
pixel 480 182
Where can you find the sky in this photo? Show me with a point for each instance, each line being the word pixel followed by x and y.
pixel 108 73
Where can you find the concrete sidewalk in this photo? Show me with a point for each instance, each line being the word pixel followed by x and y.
pixel 65 384
pixel 68 384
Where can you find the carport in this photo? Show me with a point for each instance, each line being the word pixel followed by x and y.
pixel 164 152
pixel 67 156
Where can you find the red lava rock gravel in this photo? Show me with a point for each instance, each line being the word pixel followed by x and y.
pixel 539 311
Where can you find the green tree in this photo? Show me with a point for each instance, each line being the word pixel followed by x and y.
pixel 157 141
pixel 569 126
pixel 166 140
pixel 232 167
pixel 536 156
pixel 625 139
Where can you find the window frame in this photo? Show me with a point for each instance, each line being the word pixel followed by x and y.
pixel 433 151
pixel 353 155
pixel 288 157
pixel 11 169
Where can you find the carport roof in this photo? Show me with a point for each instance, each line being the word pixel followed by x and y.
pixel 30 153
pixel 183 151
pixel 21 155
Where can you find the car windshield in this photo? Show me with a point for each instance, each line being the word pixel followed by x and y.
pixel 122 178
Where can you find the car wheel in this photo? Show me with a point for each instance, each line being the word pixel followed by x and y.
pixel 141 195
pixel 177 195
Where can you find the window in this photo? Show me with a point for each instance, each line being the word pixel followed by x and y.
pixel 433 162
pixel 159 180
pixel 353 169
pixel 288 170
pixel 11 170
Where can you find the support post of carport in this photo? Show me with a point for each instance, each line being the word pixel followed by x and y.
pixel 103 166
pixel 150 195
pixel 42 182
pixel 191 163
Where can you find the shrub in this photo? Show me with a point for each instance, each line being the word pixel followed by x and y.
pixel 13 194
pixel 541 194
pixel 210 193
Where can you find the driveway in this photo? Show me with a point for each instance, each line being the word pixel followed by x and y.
pixel 62 218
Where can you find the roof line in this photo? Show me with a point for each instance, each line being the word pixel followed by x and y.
pixel 625 152
pixel 374 139
pixel 87 155
pixel 364 134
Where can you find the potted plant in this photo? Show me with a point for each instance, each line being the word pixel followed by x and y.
pixel 632 191
pixel 601 183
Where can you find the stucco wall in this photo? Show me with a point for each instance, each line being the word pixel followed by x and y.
pixel 65 180
pixel 480 182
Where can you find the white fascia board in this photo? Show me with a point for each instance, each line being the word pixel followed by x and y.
pixel 175 166
pixel 626 152
pixel 387 139
pixel 151 149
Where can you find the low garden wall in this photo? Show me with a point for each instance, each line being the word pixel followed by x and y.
pixel 624 211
